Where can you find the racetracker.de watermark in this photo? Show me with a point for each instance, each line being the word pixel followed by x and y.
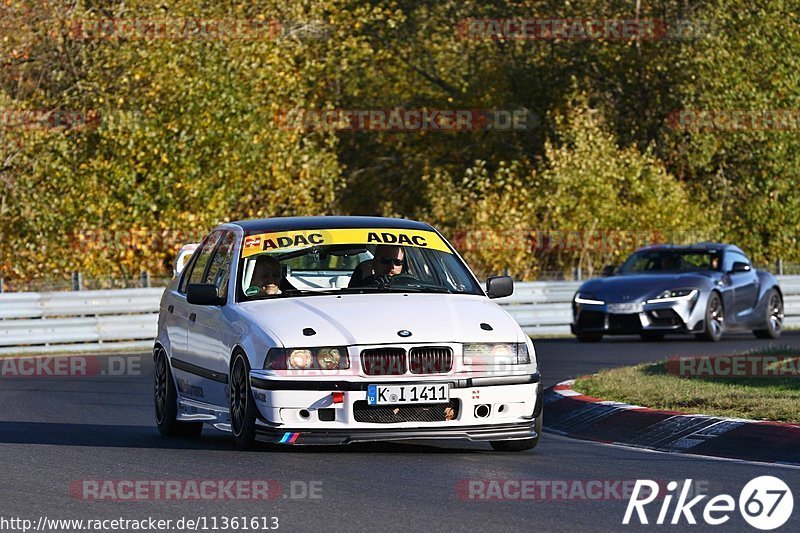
pixel 48 119
pixel 175 29
pixel 734 119
pixel 556 240
pixel 70 366
pixel 193 489
pixel 406 120
pixel 582 29
pixel 84 240
pixel 735 366
pixel 553 490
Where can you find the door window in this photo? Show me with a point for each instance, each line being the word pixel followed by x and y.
pixel 731 258
pixel 219 269
pixel 196 270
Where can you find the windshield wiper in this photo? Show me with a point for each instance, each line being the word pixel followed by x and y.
pixel 426 288
pixel 371 288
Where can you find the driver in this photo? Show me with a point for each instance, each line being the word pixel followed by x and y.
pixel 389 261
pixel 266 277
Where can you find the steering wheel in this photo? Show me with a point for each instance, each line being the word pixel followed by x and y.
pixel 401 279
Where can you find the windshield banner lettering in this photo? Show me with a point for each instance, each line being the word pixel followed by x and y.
pixel 265 242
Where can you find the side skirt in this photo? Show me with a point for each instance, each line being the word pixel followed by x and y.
pixel 195 411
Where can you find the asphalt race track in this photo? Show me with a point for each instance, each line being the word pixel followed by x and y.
pixel 56 432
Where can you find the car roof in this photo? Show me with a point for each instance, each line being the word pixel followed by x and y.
pixel 699 246
pixel 265 225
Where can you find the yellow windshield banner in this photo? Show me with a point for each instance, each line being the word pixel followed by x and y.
pixel 265 242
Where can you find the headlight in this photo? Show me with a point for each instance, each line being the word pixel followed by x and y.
pixel 329 358
pixel 677 295
pixel 587 298
pixel 491 354
pixel 299 359
pixel 326 358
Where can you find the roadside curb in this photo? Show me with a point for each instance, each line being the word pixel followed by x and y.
pixel 575 415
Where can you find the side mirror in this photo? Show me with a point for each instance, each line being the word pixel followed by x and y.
pixel 500 286
pixel 203 294
pixel 740 266
pixel 608 270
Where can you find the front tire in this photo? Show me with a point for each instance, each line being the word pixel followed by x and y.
pixel 166 402
pixel 589 337
pixel 520 445
pixel 242 404
pixel 715 319
pixel 774 318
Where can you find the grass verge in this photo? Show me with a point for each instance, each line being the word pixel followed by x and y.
pixel 651 385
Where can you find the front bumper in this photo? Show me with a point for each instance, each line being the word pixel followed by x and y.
pixel 668 317
pixel 304 412
pixel 520 430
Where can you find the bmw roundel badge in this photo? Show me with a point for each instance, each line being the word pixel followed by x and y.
pixel 404 333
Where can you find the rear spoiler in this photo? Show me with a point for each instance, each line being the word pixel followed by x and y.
pixel 183 258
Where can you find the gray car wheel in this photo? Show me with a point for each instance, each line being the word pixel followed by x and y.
pixel 774 317
pixel 589 337
pixel 715 319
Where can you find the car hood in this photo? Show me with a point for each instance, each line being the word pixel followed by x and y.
pixel 352 319
pixel 637 287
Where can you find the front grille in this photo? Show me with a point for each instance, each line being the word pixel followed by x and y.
pixel 665 318
pixel 432 360
pixel 384 362
pixel 392 414
pixel 592 320
pixel 624 323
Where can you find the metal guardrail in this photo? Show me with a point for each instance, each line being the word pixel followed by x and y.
pixel 127 318
pixel 80 321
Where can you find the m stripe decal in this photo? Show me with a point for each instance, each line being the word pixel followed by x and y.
pixel 289 438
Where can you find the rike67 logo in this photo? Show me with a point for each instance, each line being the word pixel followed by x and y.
pixel 765 503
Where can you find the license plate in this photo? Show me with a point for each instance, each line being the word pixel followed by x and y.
pixel 621 309
pixel 408 394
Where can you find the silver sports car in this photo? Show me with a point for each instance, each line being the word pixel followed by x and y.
pixel 706 289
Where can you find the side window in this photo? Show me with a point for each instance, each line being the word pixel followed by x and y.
pixel 744 259
pixel 195 271
pixel 731 258
pixel 219 269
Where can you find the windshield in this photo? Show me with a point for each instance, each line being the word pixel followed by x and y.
pixel 341 261
pixel 671 261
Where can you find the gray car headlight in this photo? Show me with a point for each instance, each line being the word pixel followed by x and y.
pixel 586 298
pixel 514 353
pixel 675 295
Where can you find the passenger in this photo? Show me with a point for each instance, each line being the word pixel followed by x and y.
pixel 266 278
pixel 389 261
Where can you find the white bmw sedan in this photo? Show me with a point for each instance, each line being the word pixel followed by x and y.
pixel 331 330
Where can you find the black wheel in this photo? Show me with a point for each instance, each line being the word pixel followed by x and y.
pixel 166 402
pixel 774 317
pixel 715 319
pixel 589 337
pixel 242 405
pixel 650 336
pixel 519 445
